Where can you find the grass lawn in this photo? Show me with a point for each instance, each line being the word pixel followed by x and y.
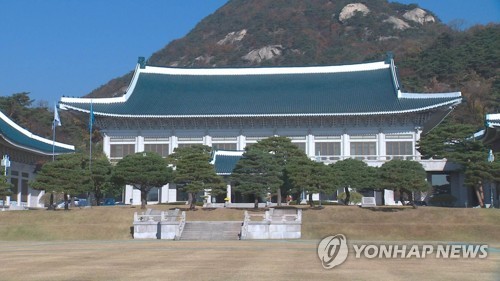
pixel 384 223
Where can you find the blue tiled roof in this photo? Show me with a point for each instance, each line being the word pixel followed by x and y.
pixel 166 92
pixel 23 139
pixel 224 164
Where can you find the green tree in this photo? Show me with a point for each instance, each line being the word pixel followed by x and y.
pixel 143 171
pixel 102 184
pixel 311 177
pixel 355 174
pixel 257 173
pixel 68 174
pixel 5 189
pixel 454 142
pixel 284 151
pixel 405 176
pixel 194 172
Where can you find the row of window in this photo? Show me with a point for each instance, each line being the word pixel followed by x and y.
pixel 320 148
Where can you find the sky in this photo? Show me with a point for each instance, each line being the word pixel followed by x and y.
pixel 55 48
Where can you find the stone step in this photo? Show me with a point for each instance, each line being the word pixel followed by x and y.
pixel 211 231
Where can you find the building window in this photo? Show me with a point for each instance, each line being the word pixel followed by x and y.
pixel 327 150
pixel 224 146
pixel 362 149
pixel 153 195
pixel 183 145
pixel 300 145
pixel 399 149
pixel 119 151
pixel 160 148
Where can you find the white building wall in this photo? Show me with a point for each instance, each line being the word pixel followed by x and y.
pixel 169 195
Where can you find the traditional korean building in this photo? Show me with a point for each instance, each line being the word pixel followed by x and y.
pixel 490 136
pixel 21 151
pixel 331 112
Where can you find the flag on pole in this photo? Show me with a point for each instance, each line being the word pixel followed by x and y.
pixel 91 116
pixel 57 120
pixel 491 157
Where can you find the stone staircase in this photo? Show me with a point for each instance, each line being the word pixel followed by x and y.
pixel 212 230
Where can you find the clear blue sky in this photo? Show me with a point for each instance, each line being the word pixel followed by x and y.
pixel 52 48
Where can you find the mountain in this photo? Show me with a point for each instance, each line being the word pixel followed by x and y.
pixel 295 33
pixel 431 56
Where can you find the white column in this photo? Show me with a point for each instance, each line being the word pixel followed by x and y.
pixel 139 144
pixel 173 144
pixel 416 138
pixel 381 146
pixel 228 193
pixel 346 148
pixel 106 147
pixel 310 145
pixel 241 142
pixel 207 140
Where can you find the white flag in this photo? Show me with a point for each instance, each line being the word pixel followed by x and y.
pixel 57 121
pixel 491 157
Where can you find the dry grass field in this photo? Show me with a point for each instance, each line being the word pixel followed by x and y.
pixel 96 244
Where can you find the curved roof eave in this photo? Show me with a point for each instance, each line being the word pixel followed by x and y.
pixel 30 149
pixel 31 136
pixel 448 103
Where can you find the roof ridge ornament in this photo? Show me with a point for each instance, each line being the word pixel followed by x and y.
pixel 389 58
pixel 142 62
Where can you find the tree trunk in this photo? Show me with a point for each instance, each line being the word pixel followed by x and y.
pixel 347 195
pixel 311 203
pixel 51 202
pixel 256 202
pixel 479 195
pixel 192 200
pixel 402 197
pixel 278 200
pixel 66 201
pixel 144 197
pixel 98 198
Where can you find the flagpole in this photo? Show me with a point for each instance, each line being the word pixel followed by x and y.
pixel 56 122
pixel 91 121
pixel 53 141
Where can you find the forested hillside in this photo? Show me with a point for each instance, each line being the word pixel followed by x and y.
pixel 431 56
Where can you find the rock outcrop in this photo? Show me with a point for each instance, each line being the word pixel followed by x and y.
pixel 233 37
pixel 397 23
pixel 264 53
pixel 350 10
pixel 419 16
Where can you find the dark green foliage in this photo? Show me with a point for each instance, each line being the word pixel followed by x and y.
pixel 143 171
pixel 285 153
pixel 68 174
pixel 5 189
pixel 101 178
pixel 355 174
pixel 405 176
pixel 257 173
pixel 454 142
pixel 195 173
pixel 311 177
